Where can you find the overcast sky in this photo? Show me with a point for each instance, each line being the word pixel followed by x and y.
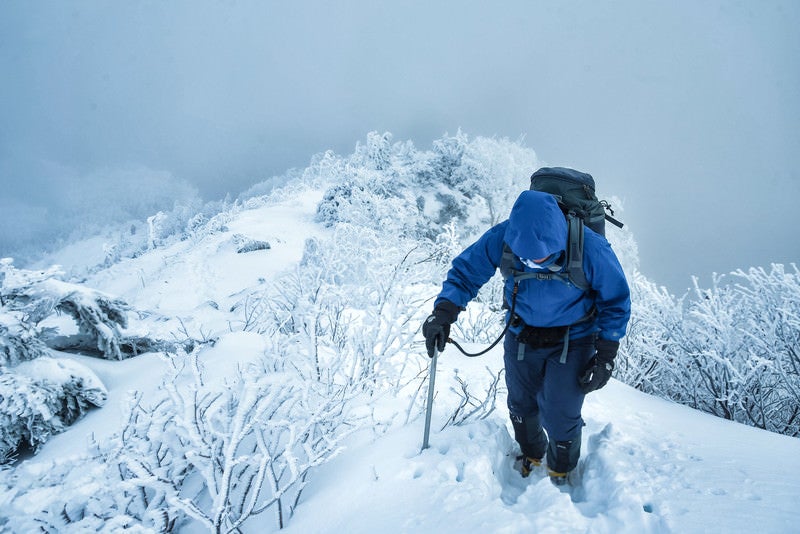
pixel 688 110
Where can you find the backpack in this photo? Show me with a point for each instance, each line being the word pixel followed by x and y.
pixel 575 192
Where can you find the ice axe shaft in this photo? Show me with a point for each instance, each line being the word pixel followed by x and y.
pixel 429 406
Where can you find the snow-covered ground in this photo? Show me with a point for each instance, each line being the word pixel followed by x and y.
pixel 647 465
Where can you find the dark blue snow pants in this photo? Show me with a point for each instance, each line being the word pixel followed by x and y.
pixel 543 393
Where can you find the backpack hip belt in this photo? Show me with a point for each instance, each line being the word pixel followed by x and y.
pixel 538 337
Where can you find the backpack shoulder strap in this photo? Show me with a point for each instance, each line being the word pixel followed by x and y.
pixel 507 261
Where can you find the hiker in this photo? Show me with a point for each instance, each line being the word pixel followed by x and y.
pixel 561 339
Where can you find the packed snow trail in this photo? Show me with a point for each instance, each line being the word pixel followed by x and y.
pixel 647 465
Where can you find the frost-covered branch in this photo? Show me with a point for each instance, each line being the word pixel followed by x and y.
pixel 471 407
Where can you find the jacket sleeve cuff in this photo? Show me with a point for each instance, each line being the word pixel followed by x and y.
pixel 447 309
pixel 606 349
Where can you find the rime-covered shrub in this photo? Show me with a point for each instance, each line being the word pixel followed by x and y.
pixel 357 202
pixel 204 450
pixel 377 153
pixel 360 194
pixel 403 190
pixel 76 495
pixel 450 208
pixel 730 350
pixel 246 244
pixel 334 203
pixel 27 413
pixel 40 398
pixel 19 341
pixel 34 296
pixel 87 493
pixel 647 356
pixel 447 154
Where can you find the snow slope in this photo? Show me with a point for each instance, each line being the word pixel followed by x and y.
pixel 647 466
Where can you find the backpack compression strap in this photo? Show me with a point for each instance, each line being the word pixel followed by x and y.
pixel 575 253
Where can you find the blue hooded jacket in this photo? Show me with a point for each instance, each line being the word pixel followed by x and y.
pixel 536 229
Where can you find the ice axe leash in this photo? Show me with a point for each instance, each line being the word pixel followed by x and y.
pixel 502 334
pixel 429 406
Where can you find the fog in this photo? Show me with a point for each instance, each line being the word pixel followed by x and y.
pixel 686 110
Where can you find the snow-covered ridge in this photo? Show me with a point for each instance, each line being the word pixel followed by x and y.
pixel 302 399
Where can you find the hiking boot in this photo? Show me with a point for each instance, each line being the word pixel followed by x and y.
pixel 526 464
pixel 562 458
pixel 558 479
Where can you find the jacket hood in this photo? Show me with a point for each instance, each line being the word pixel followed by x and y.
pixel 536 226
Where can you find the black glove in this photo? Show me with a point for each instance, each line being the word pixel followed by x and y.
pixel 597 372
pixel 436 327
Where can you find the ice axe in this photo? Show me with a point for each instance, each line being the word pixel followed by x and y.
pixel 431 381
